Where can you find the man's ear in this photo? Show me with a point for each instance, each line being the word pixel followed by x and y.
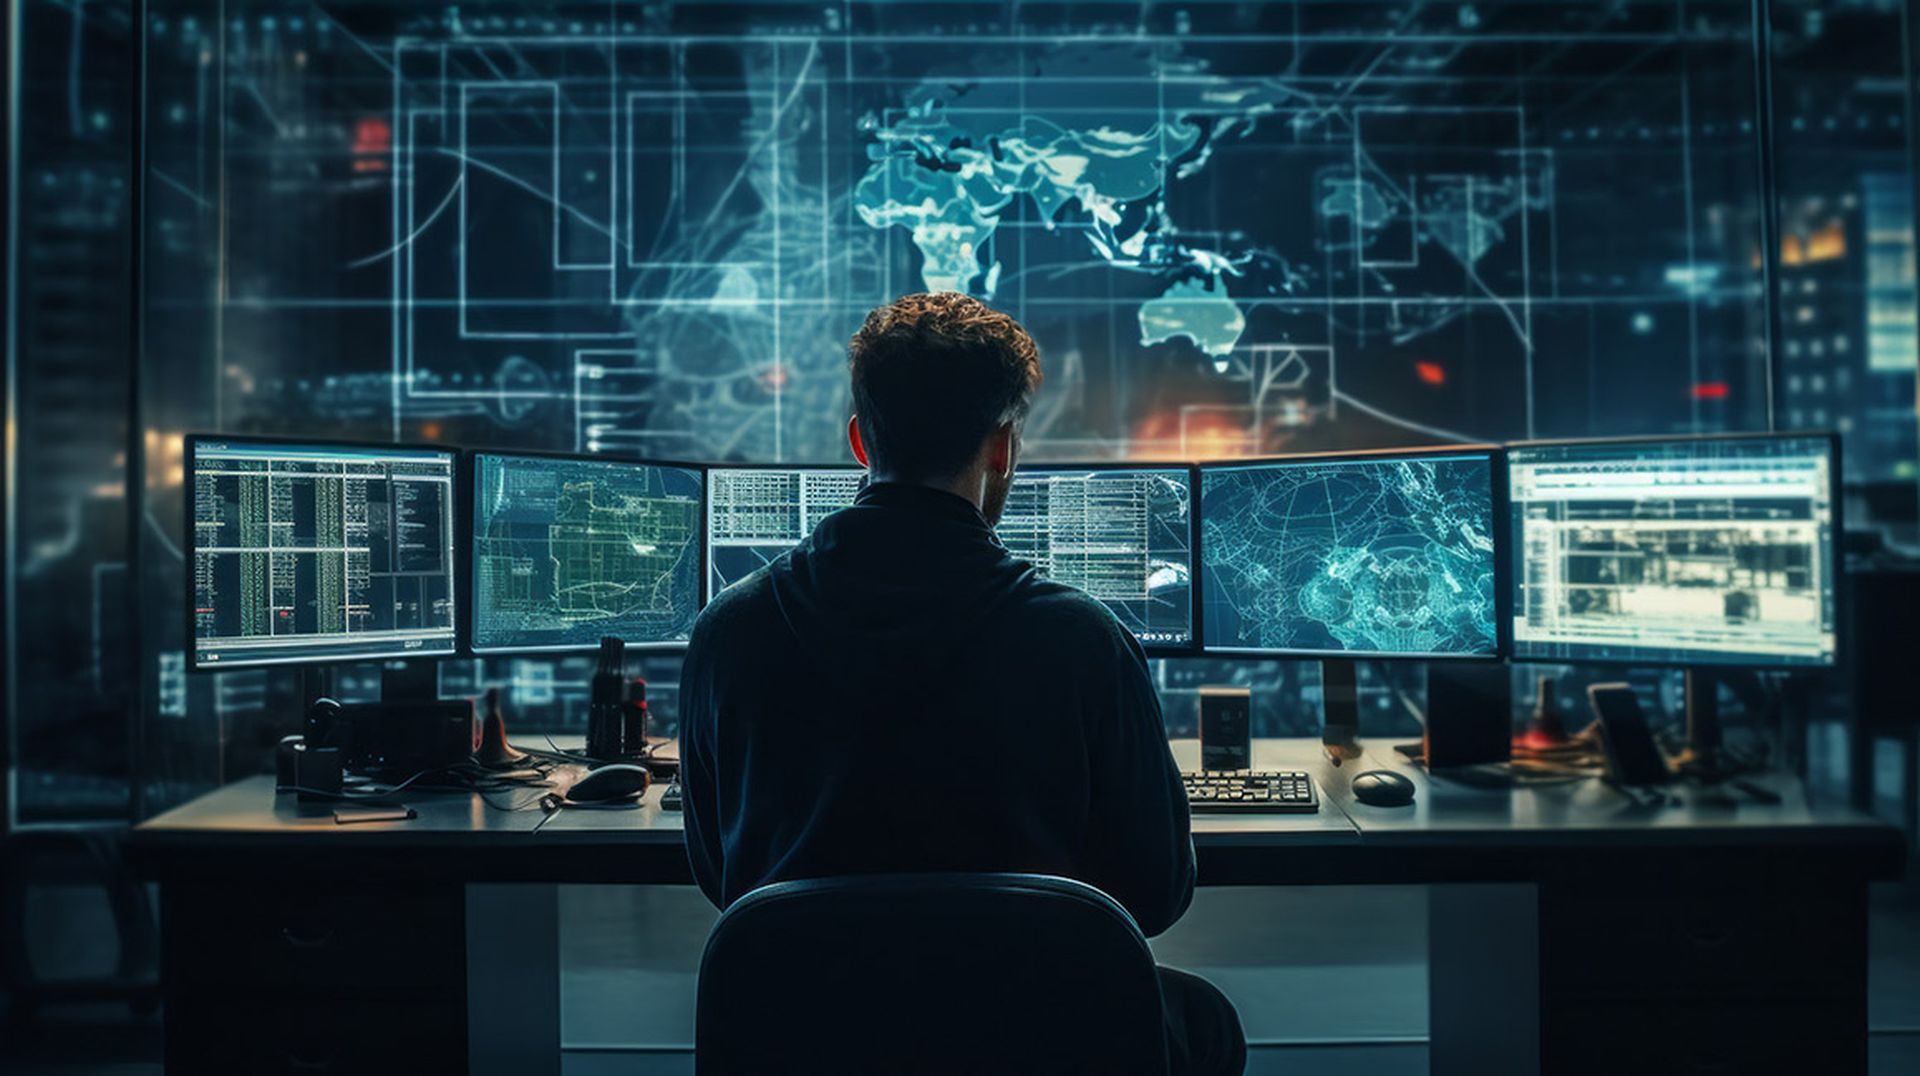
pixel 853 441
pixel 1001 450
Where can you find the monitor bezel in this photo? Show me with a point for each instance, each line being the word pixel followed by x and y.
pixel 190 451
pixel 1835 496
pixel 1190 648
pixel 471 488
pixel 1502 559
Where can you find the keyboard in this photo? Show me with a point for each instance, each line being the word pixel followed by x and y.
pixel 1251 790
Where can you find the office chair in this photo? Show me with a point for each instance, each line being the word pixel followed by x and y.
pixel 51 860
pixel 928 973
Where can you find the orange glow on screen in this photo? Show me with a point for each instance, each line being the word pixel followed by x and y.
pixel 1197 432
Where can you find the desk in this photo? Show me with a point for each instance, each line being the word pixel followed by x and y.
pixel 1573 930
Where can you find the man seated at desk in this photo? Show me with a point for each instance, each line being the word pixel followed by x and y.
pixel 899 693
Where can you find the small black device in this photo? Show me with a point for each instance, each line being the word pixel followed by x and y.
pixel 1469 714
pixel 317 773
pixel 1632 756
pixel 396 739
pixel 1226 728
pixel 286 762
pixel 670 799
pixel 1382 788
pixel 1340 705
pixel 1280 791
pixel 617 783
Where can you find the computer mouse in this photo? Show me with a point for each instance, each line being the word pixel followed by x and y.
pixel 1382 788
pixel 610 784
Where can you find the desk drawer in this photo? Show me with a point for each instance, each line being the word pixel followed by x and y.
pixel 1720 944
pixel 224 1034
pixel 385 941
pixel 1704 1040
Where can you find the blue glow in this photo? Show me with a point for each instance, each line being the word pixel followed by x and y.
pixel 1389 556
pixel 568 550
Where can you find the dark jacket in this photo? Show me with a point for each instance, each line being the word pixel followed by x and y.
pixel 899 693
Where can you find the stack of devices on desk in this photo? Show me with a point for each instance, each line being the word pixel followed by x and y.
pixel 361 755
pixel 1708 554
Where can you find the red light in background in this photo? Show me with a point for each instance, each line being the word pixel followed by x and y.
pixel 1710 390
pixel 372 135
pixel 372 139
pixel 1431 372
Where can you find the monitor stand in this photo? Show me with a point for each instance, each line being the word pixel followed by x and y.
pixel 1340 709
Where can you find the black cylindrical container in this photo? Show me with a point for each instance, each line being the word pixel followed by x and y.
pixel 605 720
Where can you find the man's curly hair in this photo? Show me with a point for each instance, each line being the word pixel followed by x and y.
pixel 933 374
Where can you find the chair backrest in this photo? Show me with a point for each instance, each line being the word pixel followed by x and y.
pixel 929 973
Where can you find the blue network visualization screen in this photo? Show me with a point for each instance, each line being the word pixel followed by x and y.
pixel 1384 557
pixel 1717 551
pixel 755 514
pixel 1123 536
pixel 567 550
pixel 320 553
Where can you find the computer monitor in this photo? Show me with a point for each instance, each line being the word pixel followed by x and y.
pixel 567 549
pixel 1123 533
pixel 1376 555
pixel 754 514
pixel 1691 551
pixel 306 552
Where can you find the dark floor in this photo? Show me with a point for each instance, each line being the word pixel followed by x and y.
pixel 1329 981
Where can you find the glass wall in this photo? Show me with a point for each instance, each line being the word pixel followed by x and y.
pixel 1234 229
pixel 1844 168
pixel 67 363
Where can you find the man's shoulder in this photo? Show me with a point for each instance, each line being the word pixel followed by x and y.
pixel 1058 616
pixel 744 600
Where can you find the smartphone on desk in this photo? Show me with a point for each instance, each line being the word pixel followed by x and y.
pixel 1226 728
pixel 1632 756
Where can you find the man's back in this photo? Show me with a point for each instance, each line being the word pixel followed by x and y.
pixel 899 693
